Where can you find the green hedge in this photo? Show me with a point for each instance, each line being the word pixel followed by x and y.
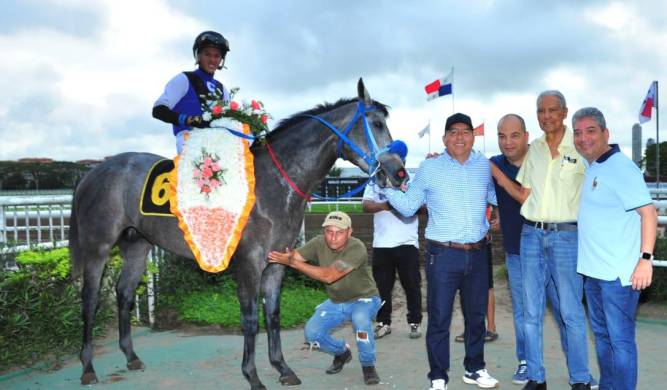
pixel 40 308
pixel 188 294
pixel 658 290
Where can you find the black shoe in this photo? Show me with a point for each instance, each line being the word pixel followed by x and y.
pixel 370 375
pixel 532 385
pixel 581 386
pixel 339 361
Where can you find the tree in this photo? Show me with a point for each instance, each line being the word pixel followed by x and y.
pixel 649 159
pixel 335 171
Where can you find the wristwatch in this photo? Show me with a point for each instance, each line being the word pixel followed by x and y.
pixel 647 256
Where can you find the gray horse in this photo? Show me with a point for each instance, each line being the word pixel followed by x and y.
pixel 105 213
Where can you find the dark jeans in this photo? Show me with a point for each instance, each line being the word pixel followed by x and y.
pixel 403 259
pixel 448 270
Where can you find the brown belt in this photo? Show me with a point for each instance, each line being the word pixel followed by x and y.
pixel 466 247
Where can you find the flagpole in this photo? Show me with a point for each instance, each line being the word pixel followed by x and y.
pixel 429 135
pixel 484 137
pixel 453 91
pixel 657 137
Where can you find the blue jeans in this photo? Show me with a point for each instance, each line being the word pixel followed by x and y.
pixel 448 270
pixel 513 263
pixel 552 256
pixel 329 315
pixel 612 310
pixel 515 277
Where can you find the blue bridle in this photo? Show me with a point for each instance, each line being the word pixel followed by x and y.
pixel 371 158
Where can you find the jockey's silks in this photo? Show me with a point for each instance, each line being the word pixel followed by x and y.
pixel 190 103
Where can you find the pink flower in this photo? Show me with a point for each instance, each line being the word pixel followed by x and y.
pixel 216 110
pixel 215 167
pixel 255 105
pixel 264 119
pixel 234 106
pixel 196 173
pixel 201 183
pixel 207 162
pixel 207 172
pixel 214 183
pixel 206 189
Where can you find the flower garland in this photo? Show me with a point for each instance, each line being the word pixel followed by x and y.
pixel 253 114
pixel 207 172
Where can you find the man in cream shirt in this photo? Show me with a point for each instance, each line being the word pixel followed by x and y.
pixel 549 190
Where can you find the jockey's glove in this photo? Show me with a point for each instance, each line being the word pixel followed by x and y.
pixel 197 121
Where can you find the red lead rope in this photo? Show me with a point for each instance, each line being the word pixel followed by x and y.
pixel 282 171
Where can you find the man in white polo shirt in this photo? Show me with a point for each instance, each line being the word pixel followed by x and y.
pixel 617 228
pixel 395 249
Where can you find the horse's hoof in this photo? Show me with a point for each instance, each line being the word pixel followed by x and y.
pixel 88 378
pixel 290 380
pixel 135 364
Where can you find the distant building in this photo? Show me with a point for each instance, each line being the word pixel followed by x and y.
pixel 637 144
pixel 90 163
pixel 42 160
pixel 650 142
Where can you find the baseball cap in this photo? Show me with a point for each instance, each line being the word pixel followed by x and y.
pixel 458 118
pixel 338 219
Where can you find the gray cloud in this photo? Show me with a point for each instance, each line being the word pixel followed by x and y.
pixel 75 19
pixel 295 54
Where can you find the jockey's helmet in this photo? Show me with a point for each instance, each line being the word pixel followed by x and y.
pixel 210 39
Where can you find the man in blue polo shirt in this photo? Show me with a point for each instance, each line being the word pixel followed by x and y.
pixel 456 188
pixel 617 229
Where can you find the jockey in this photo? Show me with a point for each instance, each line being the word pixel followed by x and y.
pixel 180 103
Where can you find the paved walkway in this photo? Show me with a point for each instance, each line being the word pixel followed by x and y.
pixel 183 360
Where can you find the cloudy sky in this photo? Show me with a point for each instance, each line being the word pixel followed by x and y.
pixel 79 77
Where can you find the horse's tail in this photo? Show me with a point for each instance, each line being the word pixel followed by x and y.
pixel 76 261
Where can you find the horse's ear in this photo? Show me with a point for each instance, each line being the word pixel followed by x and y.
pixel 363 92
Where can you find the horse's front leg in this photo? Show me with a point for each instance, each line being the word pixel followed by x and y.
pixel 271 281
pixel 248 292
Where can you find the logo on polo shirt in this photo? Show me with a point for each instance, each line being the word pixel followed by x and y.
pixel 569 159
pixel 595 183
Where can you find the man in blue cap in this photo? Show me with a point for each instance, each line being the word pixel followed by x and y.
pixel 456 188
pixel 395 250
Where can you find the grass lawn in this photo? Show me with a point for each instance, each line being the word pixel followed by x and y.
pixel 323 208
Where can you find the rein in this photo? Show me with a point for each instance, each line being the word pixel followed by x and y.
pixel 371 158
pixel 307 197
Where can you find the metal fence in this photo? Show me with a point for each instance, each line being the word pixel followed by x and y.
pixel 29 221
pixel 43 220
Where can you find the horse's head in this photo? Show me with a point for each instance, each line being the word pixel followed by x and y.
pixel 371 137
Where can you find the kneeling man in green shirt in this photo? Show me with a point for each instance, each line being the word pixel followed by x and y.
pixel 341 261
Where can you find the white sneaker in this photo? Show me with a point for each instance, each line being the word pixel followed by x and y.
pixel 438 384
pixel 414 331
pixel 481 378
pixel 381 330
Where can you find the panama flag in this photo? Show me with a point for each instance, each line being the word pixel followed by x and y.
pixel 646 109
pixel 478 131
pixel 439 87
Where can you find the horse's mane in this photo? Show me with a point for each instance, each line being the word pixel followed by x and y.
pixel 320 109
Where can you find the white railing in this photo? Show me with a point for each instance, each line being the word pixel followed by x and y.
pixel 43 221
pixel 28 220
